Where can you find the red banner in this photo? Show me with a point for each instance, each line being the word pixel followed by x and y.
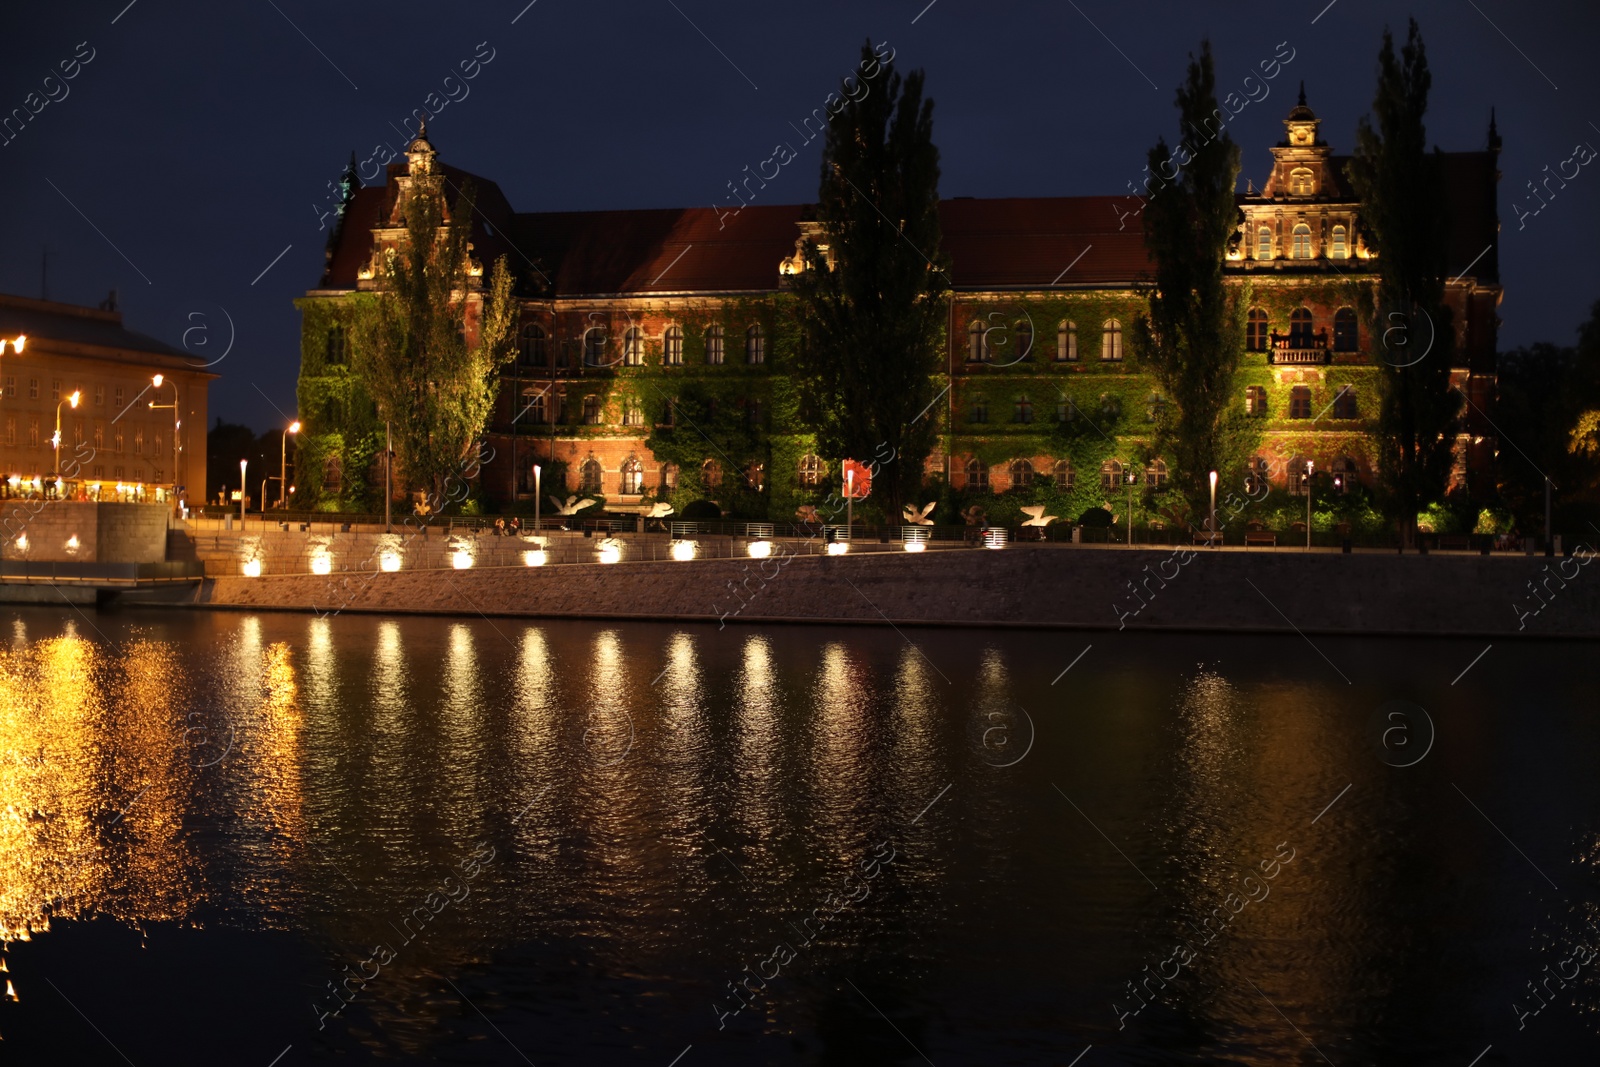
pixel 857 480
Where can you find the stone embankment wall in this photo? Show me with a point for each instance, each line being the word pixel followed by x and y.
pixel 66 531
pixel 1029 586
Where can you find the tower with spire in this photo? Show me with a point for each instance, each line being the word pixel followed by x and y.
pixel 1304 216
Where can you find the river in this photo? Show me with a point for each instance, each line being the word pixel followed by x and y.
pixel 230 837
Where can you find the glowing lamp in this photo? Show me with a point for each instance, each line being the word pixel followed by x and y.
pixel 157 380
pixel 838 548
pixel 389 561
pixel 321 564
pixel 916 546
pixel 72 543
pixel 16 346
pixel 759 549
pixel 533 558
pixel 611 553
pixel 684 549
pixel 461 559
pixel 994 538
pixel 22 542
pixel 252 568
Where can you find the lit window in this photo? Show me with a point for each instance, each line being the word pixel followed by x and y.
pixel 1255 476
pixel 811 471
pixel 755 345
pixel 714 345
pixel 1065 476
pixel 1021 474
pixel 977 474
pixel 591 410
pixel 1298 481
pixel 633 347
pixel 632 414
pixel 1302 241
pixel 1066 340
pixel 1344 330
pixel 1264 243
pixel 1341 246
pixel 1301 182
pixel 138 442
pixel 1110 474
pixel 632 475
pixel 1345 476
pixel 672 344
pixel 1255 400
pixel 1155 475
pixel 977 344
pixel 1111 340
pixel 1255 331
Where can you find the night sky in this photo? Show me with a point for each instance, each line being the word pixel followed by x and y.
pixel 197 142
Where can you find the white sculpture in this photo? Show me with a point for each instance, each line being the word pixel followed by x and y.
pixel 572 506
pixel 660 511
pixel 920 518
pixel 1038 517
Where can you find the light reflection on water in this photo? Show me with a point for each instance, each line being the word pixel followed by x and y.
pixel 665 802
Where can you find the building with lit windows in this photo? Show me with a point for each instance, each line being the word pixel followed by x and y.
pixel 653 346
pixel 127 437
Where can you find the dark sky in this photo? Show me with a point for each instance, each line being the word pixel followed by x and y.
pixel 200 138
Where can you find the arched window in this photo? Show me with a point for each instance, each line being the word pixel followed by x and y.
pixel 633 347
pixel 1344 330
pixel 1255 400
pixel 714 345
pixel 1021 474
pixel 1110 474
pixel 590 478
pixel 1256 476
pixel 811 471
pixel 755 345
pixel 977 474
pixel 1066 340
pixel 632 475
pixel 1302 241
pixel 1300 328
pixel 337 352
pixel 1341 244
pixel 1022 333
pixel 672 346
pixel 591 410
pixel 332 473
pixel 1344 403
pixel 632 413
pixel 1022 410
pixel 978 409
pixel 1155 475
pixel 594 346
pixel 531 346
pixel 1300 402
pixel 669 476
pixel 711 475
pixel 1065 476
pixel 1299 481
pixel 1255 331
pixel 1111 339
pixel 1301 182
pixel 977 346
pixel 1264 243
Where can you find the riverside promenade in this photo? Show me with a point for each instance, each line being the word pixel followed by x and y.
pixel 1230 589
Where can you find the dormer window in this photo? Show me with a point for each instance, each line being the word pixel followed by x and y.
pixel 1301 182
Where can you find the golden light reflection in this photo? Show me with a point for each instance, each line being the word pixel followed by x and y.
pixel 841 693
pixel 757 716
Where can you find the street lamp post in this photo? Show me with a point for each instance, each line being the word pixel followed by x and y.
pixel 849 501
pixel 243 491
pixel 177 444
pixel 536 540
pixel 1211 537
pixel 1128 480
pixel 56 440
pixel 1310 466
pixel 388 482
pixel 283 464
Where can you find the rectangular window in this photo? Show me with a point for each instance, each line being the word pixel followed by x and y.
pixel 155 476
pixel 158 451
pixel 99 396
pixel 138 442
pixel 33 432
pixel 33 389
pixel 99 435
pixel 118 473
pixel 11 385
pixel 55 389
pixel 1344 404
pixel 119 399
pixel 99 470
pixel 1300 403
pixel 117 442
pixel 11 429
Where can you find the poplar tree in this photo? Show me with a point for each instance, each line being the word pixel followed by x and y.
pixel 409 340
pixel 1402 192
pixel 1191 340
pixel 871 308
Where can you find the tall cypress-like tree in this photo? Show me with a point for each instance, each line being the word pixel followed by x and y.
pixel 1192 338
pixel 1402 191
pixel 872 309
pixel 409 340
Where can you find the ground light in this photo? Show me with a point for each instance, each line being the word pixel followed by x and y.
pixel 321 564
pixel 389 561
pixel 838 548
pixel 994 538
pixel 684 549
pixel 534 557
pixel 610 551
pixel 916 546
pixel 759 549
pixel 461 559
pixel 252 568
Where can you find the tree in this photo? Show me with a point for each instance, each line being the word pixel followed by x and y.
pixel 1192 338
pixel 409 339
pixel 871 308
pixel 1402 191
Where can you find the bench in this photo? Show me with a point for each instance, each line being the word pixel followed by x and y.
pixel 1455 543
pixel 1260 537
pixel 1203 537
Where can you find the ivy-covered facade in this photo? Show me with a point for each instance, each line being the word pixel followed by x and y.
pixel 656 351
